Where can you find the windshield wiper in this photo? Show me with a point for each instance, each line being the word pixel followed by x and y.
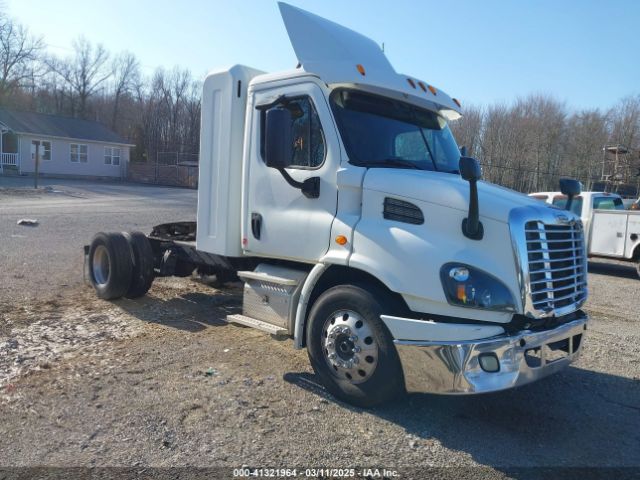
pixel 395 162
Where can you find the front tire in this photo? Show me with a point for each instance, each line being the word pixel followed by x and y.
pixel 349 347
pixel 110 265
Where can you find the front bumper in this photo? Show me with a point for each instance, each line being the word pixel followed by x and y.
pixel 454 367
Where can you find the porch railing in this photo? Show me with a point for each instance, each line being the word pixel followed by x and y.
pixel 10 159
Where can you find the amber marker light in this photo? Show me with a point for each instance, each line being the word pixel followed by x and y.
pixel 432 89
pixel 461 293
pixel 361 69
pixel 341 240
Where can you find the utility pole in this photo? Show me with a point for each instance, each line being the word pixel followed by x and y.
pixel 35 178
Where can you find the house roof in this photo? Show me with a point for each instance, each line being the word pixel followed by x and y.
pixel 58 126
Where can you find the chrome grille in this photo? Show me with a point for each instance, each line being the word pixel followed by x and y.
pixel 557 265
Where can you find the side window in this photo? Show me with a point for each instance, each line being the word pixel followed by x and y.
pixel 308 148
pixel 607 203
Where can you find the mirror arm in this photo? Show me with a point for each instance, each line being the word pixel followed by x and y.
pixel 569 202
pixel 472 226
pixel 310 187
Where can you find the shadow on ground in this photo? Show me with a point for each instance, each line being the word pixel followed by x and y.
pixel 191 312
pixel 577 418
pixel 623 270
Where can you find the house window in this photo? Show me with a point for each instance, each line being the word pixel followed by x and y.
pixel 44 151
pixel 78 153
pixel 111 156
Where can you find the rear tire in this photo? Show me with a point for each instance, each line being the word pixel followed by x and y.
pixel 110 265
pixel 142 274
pixel 349 347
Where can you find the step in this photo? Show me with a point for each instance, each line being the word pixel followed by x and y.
pixel 265 277
pixel 274 330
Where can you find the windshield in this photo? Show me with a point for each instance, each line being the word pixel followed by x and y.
pixel 576 206
pixel 382 132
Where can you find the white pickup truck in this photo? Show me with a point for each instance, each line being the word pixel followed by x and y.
pixel 337 193
pixel 611 231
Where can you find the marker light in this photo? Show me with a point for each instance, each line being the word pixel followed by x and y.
pixel 411 82
pixel 432 90
pixel 457 102
pixel 361 69
pixel 422 86
pixel 341 240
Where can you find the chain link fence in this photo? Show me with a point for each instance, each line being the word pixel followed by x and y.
pixel 167 168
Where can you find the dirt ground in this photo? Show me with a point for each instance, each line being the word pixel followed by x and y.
pixel 164 381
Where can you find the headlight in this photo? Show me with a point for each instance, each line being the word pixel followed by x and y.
pixel 467 286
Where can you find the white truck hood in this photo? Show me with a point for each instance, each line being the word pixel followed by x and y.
pixel 448 190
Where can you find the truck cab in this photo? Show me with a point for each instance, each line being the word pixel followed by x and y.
pixel 584 204
pixel 337 193
pixel 611 231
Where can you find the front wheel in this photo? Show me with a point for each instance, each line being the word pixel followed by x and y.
pixel 349 347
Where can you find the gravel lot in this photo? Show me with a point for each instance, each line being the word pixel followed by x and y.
pixel 164 381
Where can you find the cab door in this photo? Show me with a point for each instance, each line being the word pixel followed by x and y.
pixel 279 220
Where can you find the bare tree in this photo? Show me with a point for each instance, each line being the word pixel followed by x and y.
pixel 126 75
pixel 84 73
pixel 18 56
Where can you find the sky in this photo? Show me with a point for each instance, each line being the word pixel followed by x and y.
pixel 584 52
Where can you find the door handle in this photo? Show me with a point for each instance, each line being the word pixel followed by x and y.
pixel 256 225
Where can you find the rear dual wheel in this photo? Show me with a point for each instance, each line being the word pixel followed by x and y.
pixel 120 264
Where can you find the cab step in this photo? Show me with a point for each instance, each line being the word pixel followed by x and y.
pixel 270 328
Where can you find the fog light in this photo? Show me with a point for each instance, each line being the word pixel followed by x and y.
pixel 489 362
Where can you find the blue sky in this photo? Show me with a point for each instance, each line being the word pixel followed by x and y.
pixel 584 52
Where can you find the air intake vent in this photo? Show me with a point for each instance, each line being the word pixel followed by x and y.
pixel 401 211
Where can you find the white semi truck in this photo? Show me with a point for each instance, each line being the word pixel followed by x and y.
pixel 337 193
pixel 610 230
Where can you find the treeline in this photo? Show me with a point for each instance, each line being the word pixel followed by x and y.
pixel 526 145
pixel 157 113
pixel 529 144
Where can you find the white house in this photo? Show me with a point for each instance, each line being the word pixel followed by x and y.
pixel 67 146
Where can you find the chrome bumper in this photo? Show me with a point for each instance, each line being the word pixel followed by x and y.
pixel 454 367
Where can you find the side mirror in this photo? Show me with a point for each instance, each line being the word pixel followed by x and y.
pixel 470 169
pixel 471 172
pixel 570 187
pixel 278 140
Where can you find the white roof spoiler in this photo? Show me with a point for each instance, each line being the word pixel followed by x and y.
pixel 339 55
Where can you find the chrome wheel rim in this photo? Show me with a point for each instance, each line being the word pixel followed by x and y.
pixel 100 263
pixel 349 346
